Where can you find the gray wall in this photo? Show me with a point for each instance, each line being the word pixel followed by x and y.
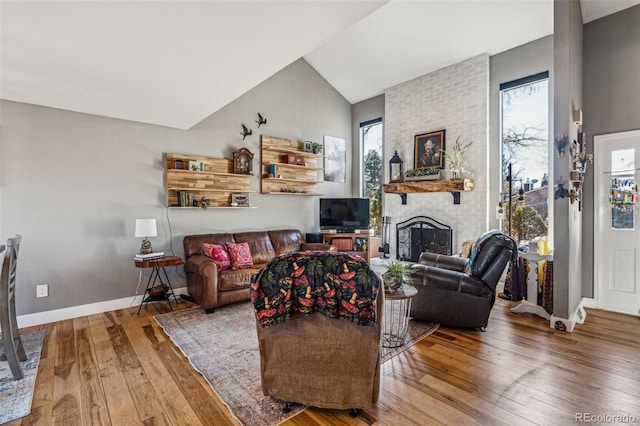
pixel 73 185
pixel 455 98
pixel 362 112
pixel 567 259
pixel 611 100
pixel 522 61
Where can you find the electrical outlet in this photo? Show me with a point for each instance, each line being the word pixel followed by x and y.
pixel 42 290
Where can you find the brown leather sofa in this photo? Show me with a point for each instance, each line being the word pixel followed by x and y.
pixel 212 288
pixel 459 292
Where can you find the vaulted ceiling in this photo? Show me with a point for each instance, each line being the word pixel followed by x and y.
pixel 174 63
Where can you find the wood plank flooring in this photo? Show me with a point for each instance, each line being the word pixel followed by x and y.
pixel 119 368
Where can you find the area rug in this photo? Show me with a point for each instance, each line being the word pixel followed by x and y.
pixel 16 395
pixel 223 347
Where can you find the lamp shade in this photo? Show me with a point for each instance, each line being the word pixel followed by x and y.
pixel 146 228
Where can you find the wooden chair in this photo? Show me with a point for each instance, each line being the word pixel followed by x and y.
pixel 13 349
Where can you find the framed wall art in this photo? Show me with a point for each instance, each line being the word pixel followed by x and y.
pixel 240 200
pixel 196 166
pixel 335 159
pixel 429 149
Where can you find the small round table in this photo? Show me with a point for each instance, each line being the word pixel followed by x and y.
pixel 396 316
pixel 157 264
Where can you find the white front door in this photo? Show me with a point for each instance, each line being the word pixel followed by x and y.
pixel 617 231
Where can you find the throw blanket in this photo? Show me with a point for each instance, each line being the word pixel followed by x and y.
pixel 338 285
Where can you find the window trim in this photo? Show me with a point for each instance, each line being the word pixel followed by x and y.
pixel 524 80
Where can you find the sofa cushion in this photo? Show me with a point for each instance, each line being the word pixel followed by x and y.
pixel 219 255
pixel 193 243
pixel 286 241
pixel 259 245
pixel 234 279
pixel 240 255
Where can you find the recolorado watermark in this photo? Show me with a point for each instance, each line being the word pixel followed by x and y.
pixel 605 418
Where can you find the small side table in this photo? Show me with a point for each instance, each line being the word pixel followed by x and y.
pixel 396 316
pixel 531 304
pixel 158 264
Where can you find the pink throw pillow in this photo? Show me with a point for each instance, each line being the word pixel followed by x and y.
pixel 218 254
pixel 240 255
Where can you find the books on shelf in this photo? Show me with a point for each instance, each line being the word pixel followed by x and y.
pixel 186 199
pixel 149 256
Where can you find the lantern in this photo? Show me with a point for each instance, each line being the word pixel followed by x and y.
pixel 396 169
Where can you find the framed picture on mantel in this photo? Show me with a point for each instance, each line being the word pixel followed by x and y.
pixel 429 150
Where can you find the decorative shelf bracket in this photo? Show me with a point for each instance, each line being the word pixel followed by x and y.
pixel 456 197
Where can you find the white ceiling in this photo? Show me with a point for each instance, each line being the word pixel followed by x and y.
pixel 175 63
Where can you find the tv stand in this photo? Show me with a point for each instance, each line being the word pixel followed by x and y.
pixel 353 242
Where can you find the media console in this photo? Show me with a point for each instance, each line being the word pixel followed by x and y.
pixel 358 242
pixel 345 231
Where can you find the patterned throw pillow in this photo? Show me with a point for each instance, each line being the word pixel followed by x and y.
pixel 240 255
pixel 218 254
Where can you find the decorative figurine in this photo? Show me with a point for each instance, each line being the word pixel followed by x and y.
pixel 243 161
pixel 246 132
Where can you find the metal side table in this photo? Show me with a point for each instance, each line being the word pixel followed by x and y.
pixel 158 264
pixel 396 316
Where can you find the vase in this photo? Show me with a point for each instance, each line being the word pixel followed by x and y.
pixel 392 284
pixel 456 172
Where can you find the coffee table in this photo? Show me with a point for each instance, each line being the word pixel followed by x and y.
pixel 396 316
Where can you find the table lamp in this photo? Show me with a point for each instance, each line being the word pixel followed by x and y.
pixel 146 228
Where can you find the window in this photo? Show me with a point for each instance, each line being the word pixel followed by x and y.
pixel 371 139
pixel 623 196
pixel 525 155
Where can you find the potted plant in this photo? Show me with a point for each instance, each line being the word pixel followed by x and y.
pixel 396 274
pixel 455 157
pixel 427 173
pixel 316 147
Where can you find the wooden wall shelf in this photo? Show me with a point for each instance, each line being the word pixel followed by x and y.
pixel 216 182
pixel 454 186
pixel 289 179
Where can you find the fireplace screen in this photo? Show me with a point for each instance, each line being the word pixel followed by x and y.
pixel 419 234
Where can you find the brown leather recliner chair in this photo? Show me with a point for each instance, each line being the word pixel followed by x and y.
pixel 459 292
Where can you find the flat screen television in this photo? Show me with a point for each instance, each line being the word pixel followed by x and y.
pixel 344 214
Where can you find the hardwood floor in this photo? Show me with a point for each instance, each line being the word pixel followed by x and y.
pixel 119 368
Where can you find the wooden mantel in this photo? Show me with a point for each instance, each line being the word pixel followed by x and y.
pixel 454 186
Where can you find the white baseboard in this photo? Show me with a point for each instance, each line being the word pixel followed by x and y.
pixel 82 310
pixel 568 324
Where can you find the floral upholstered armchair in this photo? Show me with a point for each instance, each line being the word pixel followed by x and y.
pixel 318 317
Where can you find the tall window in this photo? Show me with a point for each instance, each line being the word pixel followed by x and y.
pixel 371 138
pixel 525 155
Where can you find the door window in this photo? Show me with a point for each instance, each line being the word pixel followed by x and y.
pixel 623 189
